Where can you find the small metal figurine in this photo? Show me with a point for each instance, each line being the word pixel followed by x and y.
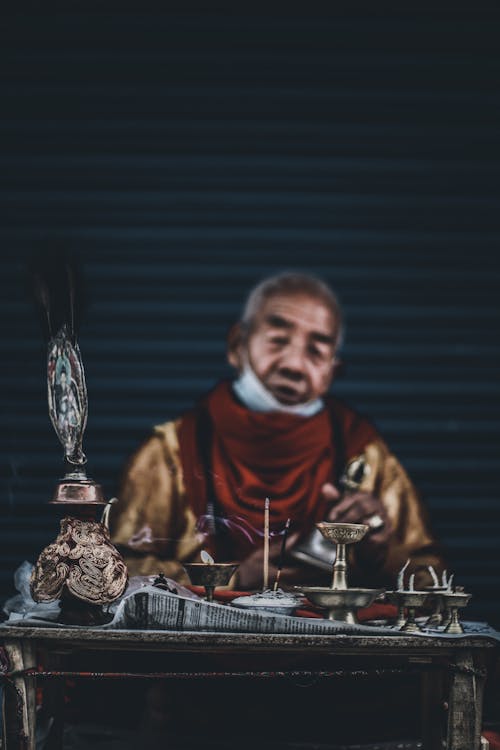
pixel 81 567
pixel 160 582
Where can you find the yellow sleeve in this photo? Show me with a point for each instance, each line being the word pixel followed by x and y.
pixel 411 534
pixel 152 525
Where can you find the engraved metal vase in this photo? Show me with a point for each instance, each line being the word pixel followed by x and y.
pixel 81 567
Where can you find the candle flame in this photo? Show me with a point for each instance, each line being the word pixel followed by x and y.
pixel 206 557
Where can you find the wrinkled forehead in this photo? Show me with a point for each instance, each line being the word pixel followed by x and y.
pixel 299 312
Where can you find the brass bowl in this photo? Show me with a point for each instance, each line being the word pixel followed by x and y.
pixel 210 574
pixel 453 601
pixel 456 598
pixel 343 533
pixel 340 603
pixel 408 598
pixel 409 601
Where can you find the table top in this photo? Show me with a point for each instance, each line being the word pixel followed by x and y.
pixel 99 638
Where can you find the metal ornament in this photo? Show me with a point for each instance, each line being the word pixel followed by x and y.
pixel 339 601
pixel 455 600
pixel 210 575
pixel 67 395
pixel 82 563
pixel 445 598
pixel 315 549
pixel 81 567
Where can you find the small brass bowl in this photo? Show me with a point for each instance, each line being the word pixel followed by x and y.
pixel 210 575
pixel 340 604
pixel 409 601
pixel 343 533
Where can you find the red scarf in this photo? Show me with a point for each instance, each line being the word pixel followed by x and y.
pixel 251 455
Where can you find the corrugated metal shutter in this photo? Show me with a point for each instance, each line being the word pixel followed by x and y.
pixel 183 157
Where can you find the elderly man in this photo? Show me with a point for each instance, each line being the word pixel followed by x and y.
pixel 202 480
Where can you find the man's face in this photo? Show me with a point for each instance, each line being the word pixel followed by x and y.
pixel 291 347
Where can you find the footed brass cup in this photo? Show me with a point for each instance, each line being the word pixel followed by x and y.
pixel 210 575
pixel 341 534
pixel 339 601
pixel 453 602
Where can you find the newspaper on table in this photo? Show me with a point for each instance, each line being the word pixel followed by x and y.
pixel 148 607
pixel 153 609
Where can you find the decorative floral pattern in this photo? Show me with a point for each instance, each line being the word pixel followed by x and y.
pixel 343 533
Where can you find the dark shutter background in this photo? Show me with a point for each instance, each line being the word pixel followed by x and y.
pixel 184 155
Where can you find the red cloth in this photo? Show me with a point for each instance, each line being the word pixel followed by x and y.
pixel 493 738
pixel 253 455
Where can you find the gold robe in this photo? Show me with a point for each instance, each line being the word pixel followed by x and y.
pixel 155 529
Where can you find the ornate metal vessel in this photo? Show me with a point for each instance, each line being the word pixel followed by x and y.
pixel 210 575
pixel 315 549
pixel 340 601
pixel 82 567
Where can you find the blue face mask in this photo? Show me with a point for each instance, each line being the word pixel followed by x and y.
pixel 255 396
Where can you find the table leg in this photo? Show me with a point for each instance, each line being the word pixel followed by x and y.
pixel 468 675
pixel 20 697
pixel 53 702
pixel 433 710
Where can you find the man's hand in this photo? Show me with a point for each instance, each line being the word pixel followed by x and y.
pixel 359 507
pixel 251 570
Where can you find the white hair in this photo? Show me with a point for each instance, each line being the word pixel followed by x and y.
pixel 288 283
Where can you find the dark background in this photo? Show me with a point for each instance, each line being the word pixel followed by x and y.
pixel 182 155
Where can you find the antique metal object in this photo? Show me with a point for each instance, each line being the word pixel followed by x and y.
pixel 160 582
pixel 454 600
pixel 315 549
pixel 440 613
pixel 341 534
pixel 341 604
pixel 67 395
pixel 394 598
pixel 82 565
pixel 210 575
pixel 435 619
pixel 409 602
pixel 340 601
pixel 68 410
pixel 81 568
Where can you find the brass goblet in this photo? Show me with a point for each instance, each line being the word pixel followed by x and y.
pixel 436 618
pixel 453 602
pixel 340 601
pixel 210 575
pixel 341 534
pixel 394 597
pixel 408 600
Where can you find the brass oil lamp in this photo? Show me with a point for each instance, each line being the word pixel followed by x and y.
pixel 210 574
pixel 340 601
